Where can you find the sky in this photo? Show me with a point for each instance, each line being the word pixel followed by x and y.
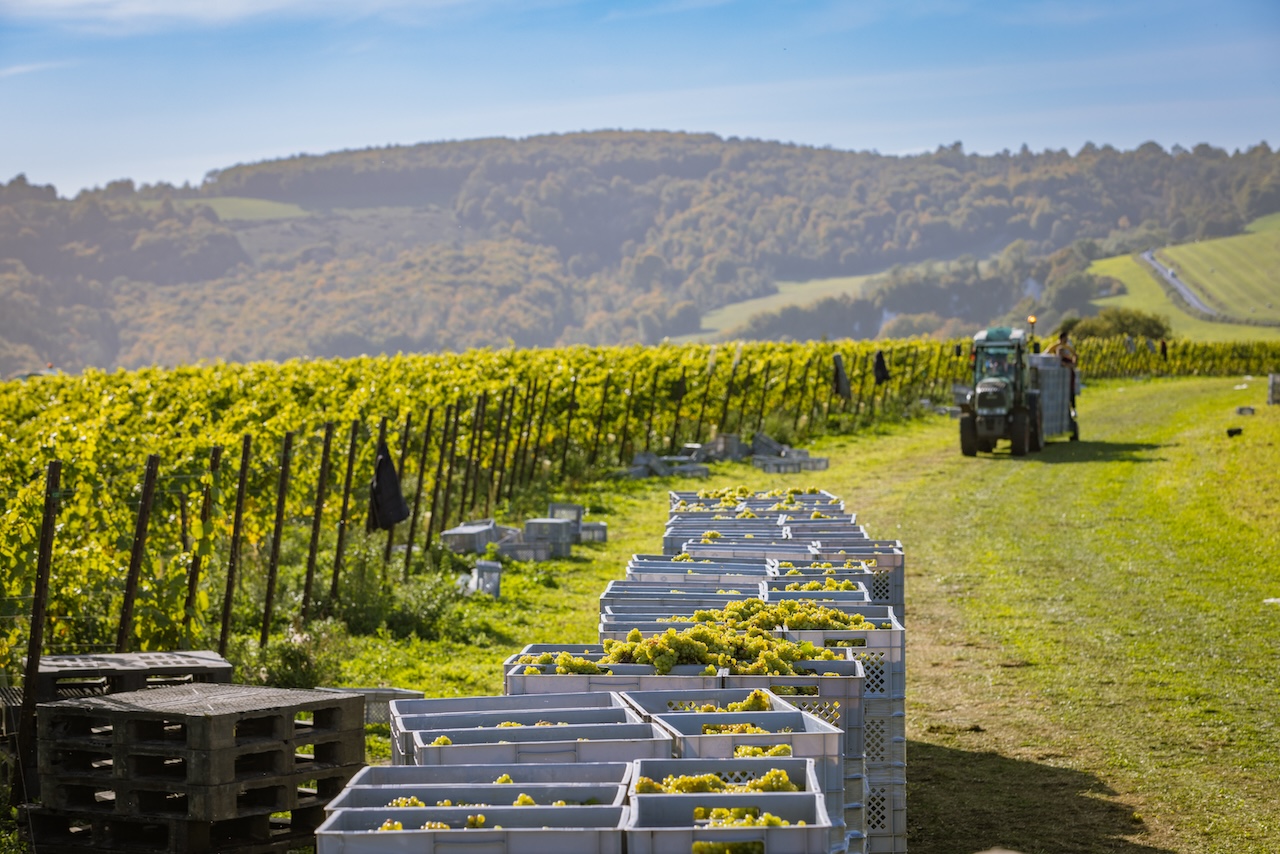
pixel 166 90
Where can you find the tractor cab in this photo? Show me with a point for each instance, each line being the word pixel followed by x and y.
pixel 1017 395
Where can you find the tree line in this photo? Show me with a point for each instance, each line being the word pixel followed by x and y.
pixel 585 238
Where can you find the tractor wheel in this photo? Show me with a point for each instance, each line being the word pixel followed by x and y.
pixel 1019 433
pixel 968 436
pixel 1037 430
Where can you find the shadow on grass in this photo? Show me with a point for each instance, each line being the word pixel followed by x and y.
pixel 1097 452
pixel 960 801
pixel 1062 451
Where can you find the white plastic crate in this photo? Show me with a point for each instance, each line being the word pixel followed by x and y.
pixel 578 773
pixel 844 600
pixel 477 794
pixel 622 677
pixel 801 771
pixel 884 735
pixel 549 530
pixel 651 703
pixel 854 804
pixel 806 735
pixel 377 701
pixel 886 817
pixel 833 692
pixel 882 651
pixel 574 743
pixel 501 703
pixel 525 830
pixel 664 824
pixel 404 726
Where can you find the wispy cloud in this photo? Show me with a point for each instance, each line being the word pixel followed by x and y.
pixel 150 14
pixel 30 68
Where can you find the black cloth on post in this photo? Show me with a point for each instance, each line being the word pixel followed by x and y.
pixel 881 369
pixel 842 378
pixel 386 503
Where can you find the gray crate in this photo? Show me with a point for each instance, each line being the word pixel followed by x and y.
pixel 574 743
pixel 524 830
pixel 487 795
pixel 403 727
pixel 651 703
pixel 527 552
pixel 886 816
pixel 572 512
pixel 594 532
pixel 776 465
pixel 549 530
pixel 377 701
pixel 577 773
pixel 622 677
pixel 470 537
pixel 664 824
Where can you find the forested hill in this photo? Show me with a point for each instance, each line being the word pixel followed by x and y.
pixel 594 237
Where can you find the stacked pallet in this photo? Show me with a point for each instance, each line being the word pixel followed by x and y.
pixel 192 768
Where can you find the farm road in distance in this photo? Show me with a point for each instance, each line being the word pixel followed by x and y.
pixel 1172 278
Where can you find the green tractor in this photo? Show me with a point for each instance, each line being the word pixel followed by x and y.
pixel 1017 394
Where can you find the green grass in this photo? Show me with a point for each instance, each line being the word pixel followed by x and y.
pixel 1146 294
pixel 1091 660
pixel 242 208
pixel 1238 276
pixel 721 321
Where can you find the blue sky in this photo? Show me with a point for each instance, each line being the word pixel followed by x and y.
pixel 94 90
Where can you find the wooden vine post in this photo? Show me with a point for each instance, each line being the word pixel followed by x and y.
pixel 342 516
pixel 237 530
pixel 317 515
pixel 137 553
pixel 277 534
pixel 201 546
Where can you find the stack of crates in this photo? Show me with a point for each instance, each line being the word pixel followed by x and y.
pixel 810 531
pixel 845 715
pixel 576 807
pixel 485 730
pixel 193 768
pixel 558 533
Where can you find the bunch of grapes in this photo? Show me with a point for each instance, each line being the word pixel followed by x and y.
pixel 732 729
pixel 442 741
pixel 523 800
pixel 410 801
pixel 756 701
pixel 747 751
pixel 773 780
pixel 720 817
pixel 391 824
pixel 505 778
pixel 435 825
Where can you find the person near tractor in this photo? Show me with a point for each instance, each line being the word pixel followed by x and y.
pixel 1067 355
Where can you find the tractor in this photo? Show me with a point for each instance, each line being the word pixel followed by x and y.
pixel 1018 394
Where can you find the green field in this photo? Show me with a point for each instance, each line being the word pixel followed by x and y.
pixel 717 323
pixel 1239 276
pixel 240 208
pixel 1146 294
pixel 1091 656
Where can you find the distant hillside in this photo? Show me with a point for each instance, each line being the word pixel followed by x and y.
pixel 595 237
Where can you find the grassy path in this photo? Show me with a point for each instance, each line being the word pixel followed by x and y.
pixel 1092 667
